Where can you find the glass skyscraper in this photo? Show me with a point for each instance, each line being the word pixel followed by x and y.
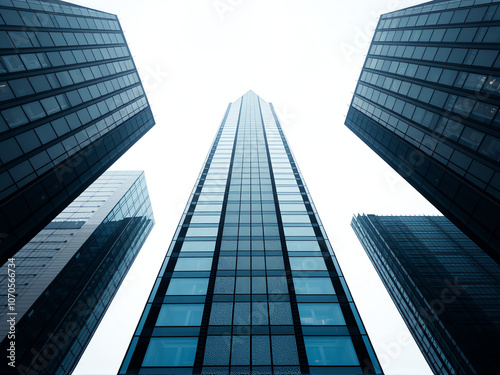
pixel 67 275
pixel 250 283
pixel 427 103
pixel 445 287
pixel 71 103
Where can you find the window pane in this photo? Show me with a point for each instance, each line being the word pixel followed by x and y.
pixel 198 246
pixel 299 231
pixel 171 351
pixel 193 264
pixel 302 246
pixel 187 286
pixel 313 285
pixel 202 232
pixel 180 315
pixel 330 351
pixel 307 263
pixel 321 314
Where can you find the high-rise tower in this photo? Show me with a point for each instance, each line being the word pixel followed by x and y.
pixel 444 286
pixel 67 275
pixel 71 103
pixel 250 283
pixel 427 103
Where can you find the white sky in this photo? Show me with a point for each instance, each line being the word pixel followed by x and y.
pixel 305 58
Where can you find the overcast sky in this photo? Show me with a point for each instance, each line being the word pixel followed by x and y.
pixel 196 56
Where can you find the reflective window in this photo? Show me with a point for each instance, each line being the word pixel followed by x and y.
pixel 302 246
pixel 182 286
pixel 193 264
pixel 321 314
pixel 313 285
pixel 171 351
pixel 180 315
pixel 330 351
pixel 198 246
pixel 307 263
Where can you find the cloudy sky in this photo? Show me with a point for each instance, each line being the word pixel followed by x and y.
pixel 194 57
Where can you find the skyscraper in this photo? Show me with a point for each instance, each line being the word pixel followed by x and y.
pixel 427 103
pixel 250 283
pixel 67 275
pixel 71 103
pixel 445 287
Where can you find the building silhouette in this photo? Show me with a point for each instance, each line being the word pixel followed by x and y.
pixel 67 275
pixel 250 283
pixel 445 287
pixel 71 103
pixel 427 103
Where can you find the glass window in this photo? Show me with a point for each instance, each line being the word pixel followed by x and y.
pixel 21 87
pixel 198 246
pixel 307 264
pixel 13 63
pixel 330 351
pixel 321 314
pixel 171 351
pixel 14 117
pixel 302 246
pixel 50 105
pixel 193 264
pixel 5 92
pixel 202 232
pixel 295 219
pixel 202 219
pixel 313 285
pixel 299 231
pixel 292 207
pixel 180 315
pixel 182 286
pixel 40 83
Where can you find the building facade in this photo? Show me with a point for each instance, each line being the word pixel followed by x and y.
pixel 250 283
pixel 71 103
pixel 427 103
pixel 445 287
pixel 67 275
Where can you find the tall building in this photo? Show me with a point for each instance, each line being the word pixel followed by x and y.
pixel 427 103
pixel 67 275
pixel 71 103
pixel 250 283
pixel 445 287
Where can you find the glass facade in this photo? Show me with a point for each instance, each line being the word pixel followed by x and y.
pixel 250 283
pixel 67 275
pixel 445 287
pixel 427 102
pixel 71 103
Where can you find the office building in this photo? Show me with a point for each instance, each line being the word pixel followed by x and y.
pixel 71 103
pixel 250 283
pixel 427 103
pixel 67 275
pixel 445 287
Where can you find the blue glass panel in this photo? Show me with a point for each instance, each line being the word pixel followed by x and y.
pixel 193 264
pixel 171 351
pixel 302 246
pixel 187 286
pixel 330 351
pixel 180 315
pixel 307 263
pixel 321 314
pixel 313 285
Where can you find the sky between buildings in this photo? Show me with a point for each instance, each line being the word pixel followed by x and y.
pixel 196 56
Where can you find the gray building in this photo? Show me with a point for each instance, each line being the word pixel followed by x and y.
pixel 445 287
pixel 427 103
pixel 250 283
pixel 71 103
pixel 67 275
